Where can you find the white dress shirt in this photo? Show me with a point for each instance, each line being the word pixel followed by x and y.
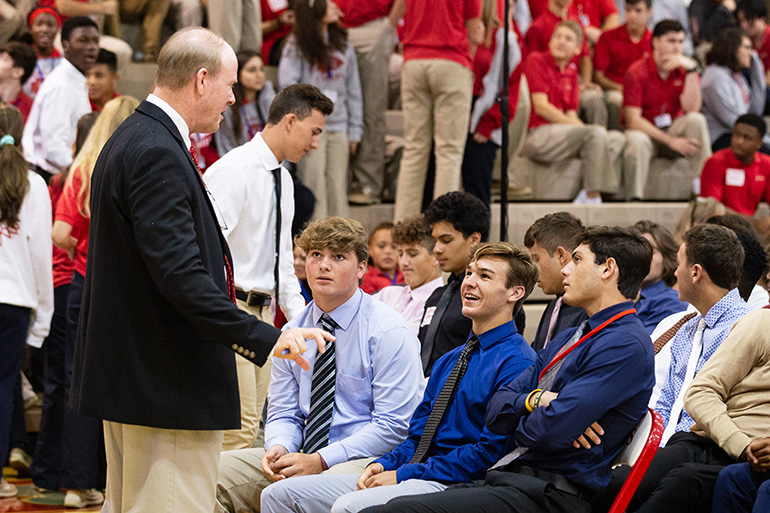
pixel 52 124
pixel 243 187
pixel 25 260
pixel 409 302
pixel 178 120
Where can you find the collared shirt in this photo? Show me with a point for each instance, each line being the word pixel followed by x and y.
pixel 606 379
pixel 569 317
pixel 51 126
pixel 463 448
pixel 719 319
pixel 561 86
pixel 656 302
pixel 643 88
pixel 539 34
pixel 409 302
pixel 587 13
pixel 176 118
pixel 738 186
pixel 379 383
pixel 242 184
pixel 615 52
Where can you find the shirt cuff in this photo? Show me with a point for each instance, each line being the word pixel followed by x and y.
pixel 333 454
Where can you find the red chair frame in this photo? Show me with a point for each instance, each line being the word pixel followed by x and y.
pixel 650 429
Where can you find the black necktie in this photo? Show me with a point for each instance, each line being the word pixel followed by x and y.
pixel 319 418
pixel 430 337
pixel 442 401
pixel 277 182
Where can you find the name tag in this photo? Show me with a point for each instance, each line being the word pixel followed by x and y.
pixel 428 316
pixel 735 177
pixel 278 5
pixel 663 121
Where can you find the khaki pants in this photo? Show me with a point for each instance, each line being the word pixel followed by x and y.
pixel 599 150
pixel 436 95
pixel 325 172
pixel 241 479
pixel 614 100
pixel 253 382
pixel 160 470
pixel 239 22
pixel 641 149
pixel 373 42
pixel 592 107
pixel 152 14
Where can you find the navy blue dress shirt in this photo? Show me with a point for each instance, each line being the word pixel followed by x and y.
pixel 656 302
pixel 463 448
pixel 608 378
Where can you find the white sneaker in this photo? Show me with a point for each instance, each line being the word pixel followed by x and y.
pixel 583 199
pixel 7 489
pixel 83 498
pixel 20 461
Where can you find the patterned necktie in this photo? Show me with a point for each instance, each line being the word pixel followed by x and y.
pixel 442 401
pixel 664 339
pixel 277 183
pixel 321 394
pixel 545 383
pixel 554 320
pixel 194 154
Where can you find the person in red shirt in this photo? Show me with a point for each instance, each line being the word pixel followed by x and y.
pixel 102 79
pixel 277 23
pixel 739 176
pixel 595 16
pixel 436 91
pixel 383 268
pixel 661 104
pixel 616 50
pixel 17 61
pixel 752 17
pixel 537 39
pixel 555 131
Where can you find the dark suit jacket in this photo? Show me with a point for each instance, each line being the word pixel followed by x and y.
pixel 569 316
pixel 157 330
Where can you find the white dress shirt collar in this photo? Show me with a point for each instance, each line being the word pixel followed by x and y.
pixel 264 151
pixel 180 123
pixel 72 72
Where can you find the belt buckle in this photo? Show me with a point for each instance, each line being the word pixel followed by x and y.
pixel 258 297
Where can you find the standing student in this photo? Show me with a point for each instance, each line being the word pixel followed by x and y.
pixel 319 53
pixel 154 355
pixel 26 284
pixel 44 24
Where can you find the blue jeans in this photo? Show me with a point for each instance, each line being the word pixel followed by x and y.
pixel 14 323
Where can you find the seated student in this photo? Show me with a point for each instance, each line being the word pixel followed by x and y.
pixel 752 18
pixel 661 100
pixel 447 442
pixel 745 487
pixel 414 245
pixel 383 260
pixel 17 61
pixel 616 50
pixel 657 300
pixel 555 131
pixel 739 176
pixel 44 24
pixel 551 241
pixel 538 38
pixel 102 79
pixel 606 374
pixel 356 402
pixel 733 84
pixel 459 222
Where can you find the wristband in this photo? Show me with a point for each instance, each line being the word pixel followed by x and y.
pixel 526 402
pixel 537 399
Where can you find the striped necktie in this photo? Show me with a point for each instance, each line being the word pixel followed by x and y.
pixel 442 401
pixel 321 394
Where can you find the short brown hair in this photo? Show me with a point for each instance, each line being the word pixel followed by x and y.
pixel 414 230
pixel 185 53
pixel 665 243
pixel 554 230
pixel 574 27
pixel 718 250
pixel 335 234
pixel 522 269
pixel 300 100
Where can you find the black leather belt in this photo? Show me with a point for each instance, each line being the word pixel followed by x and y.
pixel 254 298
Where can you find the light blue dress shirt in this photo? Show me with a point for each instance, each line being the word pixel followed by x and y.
pixel 378 383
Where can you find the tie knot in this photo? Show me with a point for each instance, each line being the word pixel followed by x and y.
pixel 328 324
pixel 472 344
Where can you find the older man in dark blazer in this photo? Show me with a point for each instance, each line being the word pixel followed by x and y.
pixel 154 355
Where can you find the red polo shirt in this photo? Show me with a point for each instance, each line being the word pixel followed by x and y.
pixel 544 76
pixel 67 210
pixel 95 107
pixel 271 10
pixel 24 104
pixel 643 87
pixel 764 50
pixel 615 52
pixel 435 29
pixel 539 34
pixel 738 186
pixel 357 12
pixel 587 12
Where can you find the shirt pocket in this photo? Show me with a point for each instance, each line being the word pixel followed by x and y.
pixel 354 394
